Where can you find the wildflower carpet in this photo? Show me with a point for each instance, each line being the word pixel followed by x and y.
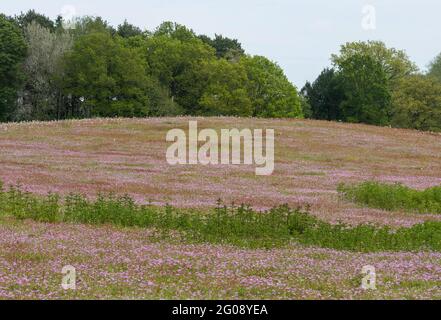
pixel 158 259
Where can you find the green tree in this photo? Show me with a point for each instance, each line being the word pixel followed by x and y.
pixel 369 72
pixel 88 24
pixel 394 63
pixel 306 106
pixel 175 31
pixel 107 78
pixel 127 30
pixel 365 85
pixel 12 54
pixel 24 19
pixel 160 102
pixel 227 48
pixel 178 59
pixel 271 93
pixel 95 70
pixel 417 103
pixel 41 97
pixel 435 68
pixel 226 93
pixel 325 96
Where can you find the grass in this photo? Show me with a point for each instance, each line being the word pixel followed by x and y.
pixel 237 225
pixel 127 155
pixel 393 197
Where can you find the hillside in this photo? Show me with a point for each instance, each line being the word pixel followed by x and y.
pixel 311 158
pixel 127 262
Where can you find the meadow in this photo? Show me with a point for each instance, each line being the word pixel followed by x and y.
pixel 136 227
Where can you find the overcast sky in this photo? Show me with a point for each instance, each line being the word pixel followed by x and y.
pixel 298 34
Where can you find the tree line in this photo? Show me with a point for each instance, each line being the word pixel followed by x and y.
pixel 50 70
pixel 371 83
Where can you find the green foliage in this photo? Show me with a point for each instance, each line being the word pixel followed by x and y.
pixel 236 225
pixel 394 197
pixel 416 103
pixel 127 30
pixel 226 92
pixel 435 68
pixel 272 95
pixel 89 24
pixel 178 59
pixel 227 48
pixel 24 205
pixel 12 54
pixel 160 102
pixel 25 19
pixel 394 63
pixel 108 78
pixel 40 96
pixel 325 96
pixel 185 75
pixel 367 97
pixel 95 70
pixel 172 71
pixel 373 84
pixel 370 238
pixel 175 31
pixel 305 105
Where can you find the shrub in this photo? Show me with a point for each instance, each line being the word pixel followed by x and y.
pixel 236 225
pixel 394 197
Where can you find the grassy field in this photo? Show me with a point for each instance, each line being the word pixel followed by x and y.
pixel 128 156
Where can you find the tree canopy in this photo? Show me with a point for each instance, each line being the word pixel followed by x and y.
pixel 371 83
pixel 225 47
pixel 395 63
pixel 366 95
pixel 108 78
pixel 417 103
pixel 272 95
pixel 12 55
pixel 325 95
pixel 435 68
pixel 96 70
pixel 24 19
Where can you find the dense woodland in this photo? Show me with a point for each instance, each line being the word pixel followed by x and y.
pixel 87 68
pixel 370 83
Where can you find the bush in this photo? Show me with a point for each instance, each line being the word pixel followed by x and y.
pixel 394 197
pixel 236 225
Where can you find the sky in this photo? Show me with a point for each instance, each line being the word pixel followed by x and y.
pixel 300 35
